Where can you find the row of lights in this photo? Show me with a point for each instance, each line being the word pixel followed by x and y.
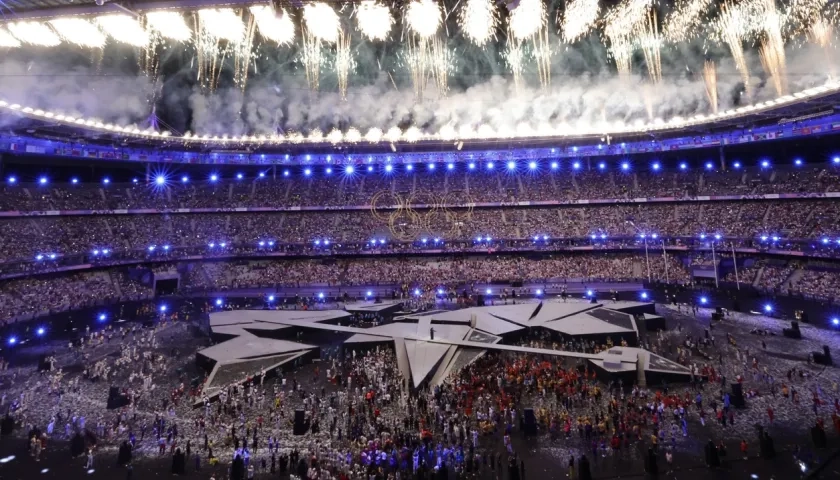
pixel 163 180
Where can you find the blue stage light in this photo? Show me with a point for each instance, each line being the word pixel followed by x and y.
pixel 271 298
pixel 369 293
pixel 717 236
pixel 654 236
pixel 160 180
pixel 12 340
pixel 656 166
pixel 644 295
pixel 328 171
pixel 487 238
pixel 764 238
pixel 106 251
pixel 42 180
pixel 95 253
pixel 710 165
pixel 106 180
pixel 166 248
pixel 326 242
pixel 74 180
pixel 768 308
pixel 389 168
pixel 12 180
pixel 440 291
pixel 239 176
pixel 409 167
pixel 555 165
pixel 133 180
pixel 545 238
pixel 511 165
pixel 349 169
pixel 489 291
pixel 683 166
pixel 211 244
pixel 643 235
pixel 477 239
pixel 262 174
pixel 219 302
pixel 214 177
pixel 417 291
pixel 798 162
pixel 625 166
pixel 704 300
pixel 271 243
pixel 825 240
pixel 370 168
pixel 39 257
pixel 151 248
pixel 532 165
pixel 576 165
pixel 52 256
pixel 702 236
pixel 307 172
pixel 41 331
pixel 185 179
pixel 835 321
pixel 261 243
pixel 836 160
pixel 103 317
pixel 471 166
pixel 286 173
pixel 431 166
pixel 317 242
pixel 736 165
pixel 490 165
pixel 775 238
pixel 423 240
pixel 163 309
pixel 593 236
pixel 450 166
pixel 589 293
pixel 223 244
pixel 539 292
pixel 765 164
pixel 601 166
pixel 603 236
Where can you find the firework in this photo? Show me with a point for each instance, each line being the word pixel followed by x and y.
pixel 732 27
pixel 374 135
pixel 335 136
pixel 312 58
pixel 276 26
pixel 515 58
pixel 124 29
pixel 78 31
pixel 441 64
pixel 685 21
pixel 393 134
pixel 821 32
pixel 527 19
pixel 7 40
pixel 542 53
pixel 343 62
pixel 651 43
pixel 374 20
pixel 34 33
pixel 412 135
pixel 423 17
pixel 620 24
pixel 322 22
pixel 169 25
pixel 222 24
pixel 772 49
pixel 478 20
pixel 579 18
pixel 710 80
pixel 353 135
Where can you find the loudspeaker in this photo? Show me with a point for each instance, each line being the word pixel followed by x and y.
pixel 717 316
pixel 793 331
pixel 479 300
pixel 300 423
pixel 737 396
pixel 529 422
pixel 824 357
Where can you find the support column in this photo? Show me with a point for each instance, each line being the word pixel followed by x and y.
pixel 722 158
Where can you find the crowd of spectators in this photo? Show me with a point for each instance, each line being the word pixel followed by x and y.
pixel 339 189
pixel 25 238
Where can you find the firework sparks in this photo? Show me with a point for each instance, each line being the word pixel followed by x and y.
pixel 710 80
pixel 222 24
pixel 7 40
pixel 527 19
pixel 353 135
pixel 170 25
pixel 685 21
pixel 78 31
pixel 343 62
pixel 322 22
pixel 124 29
pixel 374 135
pixel 651 43
pixel 821 33
pixel 374 20
pixel 579 18
pixel 276 26
pixel 732 27
pixel 772 50
pixel 515 58
pixel 478 20
pixel 34 33
pixel 423 17
pixel 620 24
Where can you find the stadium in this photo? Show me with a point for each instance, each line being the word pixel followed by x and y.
pixel 419 239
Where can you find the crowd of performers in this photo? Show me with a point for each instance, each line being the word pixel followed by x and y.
pixel 362 419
